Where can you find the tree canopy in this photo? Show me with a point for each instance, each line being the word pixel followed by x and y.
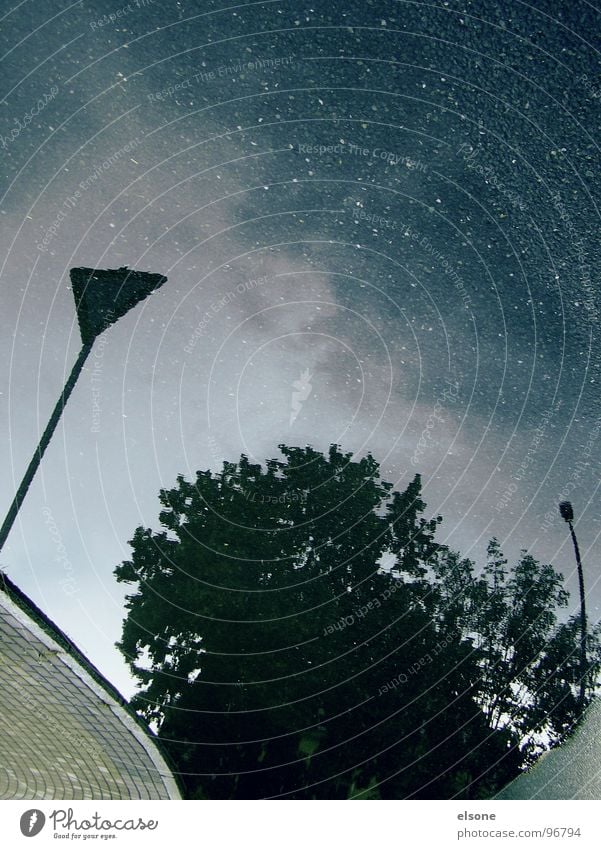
pixel 298 632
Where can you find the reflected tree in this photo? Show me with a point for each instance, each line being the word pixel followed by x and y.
pixel 298 632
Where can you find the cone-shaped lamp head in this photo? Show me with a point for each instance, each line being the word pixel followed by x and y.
pixel 101 297
pixel 565 511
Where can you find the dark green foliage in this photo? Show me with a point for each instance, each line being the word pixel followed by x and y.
pixel 298 632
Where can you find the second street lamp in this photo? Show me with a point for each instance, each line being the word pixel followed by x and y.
pixel 101 297
pixel 567 513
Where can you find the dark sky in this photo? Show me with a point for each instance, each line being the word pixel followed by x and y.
pixel 379 222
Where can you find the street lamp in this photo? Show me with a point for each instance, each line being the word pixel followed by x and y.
pixel 567 513
pixel 101 297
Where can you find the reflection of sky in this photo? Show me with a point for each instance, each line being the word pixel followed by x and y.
pixel 379 281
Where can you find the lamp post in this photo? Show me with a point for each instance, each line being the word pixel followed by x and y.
pixel 101 297
pixel 567 513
